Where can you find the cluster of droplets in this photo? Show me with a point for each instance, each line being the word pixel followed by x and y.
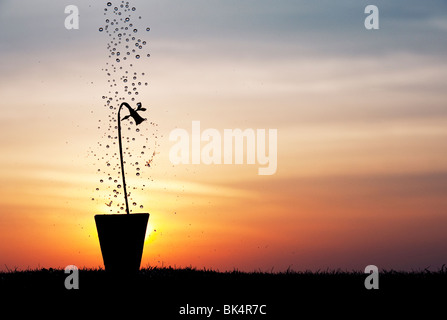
pixel 140 143
pixel 123 29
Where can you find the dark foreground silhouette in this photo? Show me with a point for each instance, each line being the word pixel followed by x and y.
pixel 167 293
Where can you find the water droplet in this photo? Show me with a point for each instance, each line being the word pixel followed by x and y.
pixel 101 181
pixel 97 189
pixel 138 174
pixel 101 29
pixel 135 30
pixel 148 55
pixel 141 207
pixel 118 186
pixel 148 29
pixel 137 56
pixel 133 8
pixel 117 60
pixel 109 4
pixel 134 203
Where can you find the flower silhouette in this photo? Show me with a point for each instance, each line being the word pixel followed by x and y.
pixel 138 119
pixel 133 113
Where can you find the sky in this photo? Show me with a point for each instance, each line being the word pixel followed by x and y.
pixel 360 114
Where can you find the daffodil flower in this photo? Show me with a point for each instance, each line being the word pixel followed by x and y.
pixel 138 119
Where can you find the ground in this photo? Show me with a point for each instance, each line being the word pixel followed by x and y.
pixel 167 293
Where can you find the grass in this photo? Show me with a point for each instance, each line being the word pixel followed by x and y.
pixel 165 290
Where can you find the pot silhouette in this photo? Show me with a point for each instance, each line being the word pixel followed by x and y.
pixel 121 238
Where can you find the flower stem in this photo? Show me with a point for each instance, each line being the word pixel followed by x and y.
pixel 121 156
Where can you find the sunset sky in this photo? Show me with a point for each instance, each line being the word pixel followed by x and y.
pixel 362 134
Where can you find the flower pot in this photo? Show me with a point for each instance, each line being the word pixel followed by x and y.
pixel 121 238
